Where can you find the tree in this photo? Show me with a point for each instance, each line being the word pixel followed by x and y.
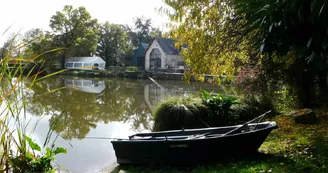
pixel 11 47
pixel 41 47
pixel 114 44
pixel 143 31
pixel 294 41
pixel 216 38
pixel 76 31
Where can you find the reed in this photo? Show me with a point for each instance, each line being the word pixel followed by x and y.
pixel 18 152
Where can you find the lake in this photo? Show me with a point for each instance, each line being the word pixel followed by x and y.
pixel 81 108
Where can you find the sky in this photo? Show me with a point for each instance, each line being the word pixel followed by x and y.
pixel 23 15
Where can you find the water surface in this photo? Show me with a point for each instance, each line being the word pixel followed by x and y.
pixel 80 108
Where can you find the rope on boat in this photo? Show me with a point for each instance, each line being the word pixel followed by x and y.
pixel 95 137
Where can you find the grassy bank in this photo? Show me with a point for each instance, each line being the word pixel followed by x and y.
pixel 290 148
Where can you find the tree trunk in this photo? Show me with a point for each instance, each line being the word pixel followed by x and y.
pixel 322 80
pixel 305 89
pixel 63 60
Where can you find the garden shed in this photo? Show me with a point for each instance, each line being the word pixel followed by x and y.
pixel 85 63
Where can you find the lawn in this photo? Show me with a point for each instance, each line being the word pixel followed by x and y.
pixel 290 148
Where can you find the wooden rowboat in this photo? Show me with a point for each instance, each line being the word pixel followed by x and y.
pixel 192 146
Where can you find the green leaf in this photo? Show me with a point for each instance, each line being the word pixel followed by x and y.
pixel 262 47
pixel 309 43
pixel 322 8
pixel 32 144
pixel 60 150
pixel 270 28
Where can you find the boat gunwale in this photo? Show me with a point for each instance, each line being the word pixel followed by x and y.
pixel 271 125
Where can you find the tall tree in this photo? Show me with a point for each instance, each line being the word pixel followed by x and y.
pixel 76 31
pixel 294 39
pixel 11 47
pixel 216 36
pixel 114 44
pixel 143 31
pixel 38 44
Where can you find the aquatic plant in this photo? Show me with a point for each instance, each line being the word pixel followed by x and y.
pixel 219 107
pixel 178 113
pixel 18 153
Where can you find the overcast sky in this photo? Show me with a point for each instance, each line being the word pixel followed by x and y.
pixel 27 14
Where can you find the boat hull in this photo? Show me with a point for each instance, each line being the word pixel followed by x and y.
pixel 189 151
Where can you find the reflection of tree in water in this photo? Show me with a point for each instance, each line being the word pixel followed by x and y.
pixel 76 112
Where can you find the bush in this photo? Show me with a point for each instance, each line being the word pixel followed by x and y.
pixel 219 107
pixel 179 112
pixel 132 69
pixel 194 112
pixel 82 73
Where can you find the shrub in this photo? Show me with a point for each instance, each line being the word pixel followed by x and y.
pixel 82 73
pixel 219 107
pixel 179 112
pixel 132 69
pixel 194 112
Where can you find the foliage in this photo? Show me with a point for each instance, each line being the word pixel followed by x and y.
pixel 143 31
pixel 28 162
pixel 194 112
pixel 219 107
pixel 75 31
pixel 217 39
pixel 293 38
pixel 179 112
pixel 114 44
pixel 290 148
pixel 18 152
pixel 38 42
pixel 132 69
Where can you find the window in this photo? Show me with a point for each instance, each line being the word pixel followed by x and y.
pixel 155 59
pixel 68 82
pixel 155 53
pixel 87 65
pixel 180 63
pixel 87 83
pixel 78 65
pixel 78 83
pixel 69 64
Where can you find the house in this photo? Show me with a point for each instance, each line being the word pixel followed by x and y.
pixel 138 59
pixel 162 54
pixel 85 63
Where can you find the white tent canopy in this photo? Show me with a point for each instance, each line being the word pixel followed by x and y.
pixel 85 63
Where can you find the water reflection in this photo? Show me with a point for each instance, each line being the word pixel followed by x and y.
pixel 99 107
pixel 89 86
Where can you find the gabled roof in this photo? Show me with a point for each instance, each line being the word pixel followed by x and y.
pixel 167 45
pixel 144 45
pixel 90 59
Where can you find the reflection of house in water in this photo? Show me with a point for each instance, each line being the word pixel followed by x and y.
pixel 89 86
pixel 154 94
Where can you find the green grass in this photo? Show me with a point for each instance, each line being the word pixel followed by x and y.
pixel 290 148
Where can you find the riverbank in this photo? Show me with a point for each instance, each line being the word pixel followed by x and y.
pixel 131 73
pixel 290 148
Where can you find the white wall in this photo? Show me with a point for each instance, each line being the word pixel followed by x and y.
pixel 171 60
pixel 153 45
pixel 167 60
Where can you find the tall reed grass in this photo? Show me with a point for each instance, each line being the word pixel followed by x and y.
pixel 18 152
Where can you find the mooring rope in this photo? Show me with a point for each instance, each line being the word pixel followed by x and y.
pixel 96 137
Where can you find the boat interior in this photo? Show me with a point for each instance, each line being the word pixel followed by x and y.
pixel 202 133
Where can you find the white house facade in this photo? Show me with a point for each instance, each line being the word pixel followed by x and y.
pixel 161 54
